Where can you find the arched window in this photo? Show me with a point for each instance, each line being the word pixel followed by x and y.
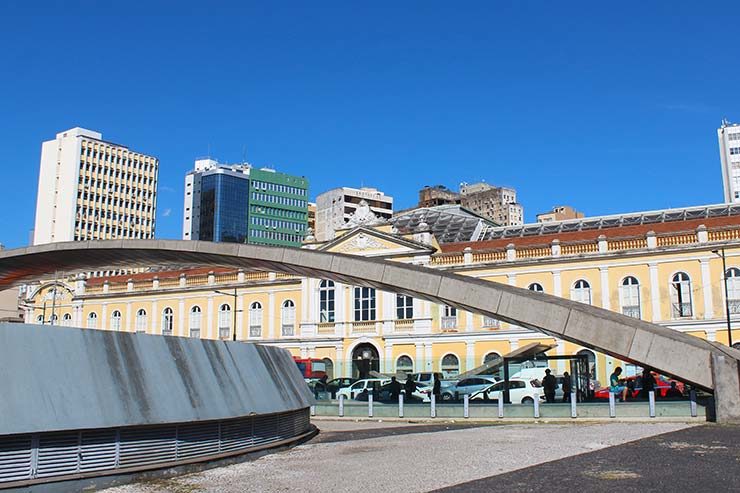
pixel 328 368
pixel 194 323
pixel 581 292
pixel 732 277
pixel 92 320
pixel 404 307
pixel 450 366
pixel 592 375
pixel 115 320
pixel 224 321
pixel 288 318
pixel 40 320
pixel 255 320
pixel 681 295
pixel 326 301
pixel 629 294
pixel 168 321
pixel 66 320
pixel 404 364
pixel 535 286
pixel 364 304
pixel 490 357
pixel 449 317
pixel 141 321
pixel 54 319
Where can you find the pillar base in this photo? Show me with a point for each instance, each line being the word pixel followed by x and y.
pixel 726 376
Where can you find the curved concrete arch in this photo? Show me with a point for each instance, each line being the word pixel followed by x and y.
pixel 702 363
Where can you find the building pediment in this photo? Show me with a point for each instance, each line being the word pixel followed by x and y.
pixel 369 242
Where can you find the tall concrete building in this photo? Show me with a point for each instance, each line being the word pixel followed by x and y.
pixel 559 213
pixel 238 203
pixel 728 135
pixel 497 204
pixel 334 207
pixel 91 189
pixel 437 195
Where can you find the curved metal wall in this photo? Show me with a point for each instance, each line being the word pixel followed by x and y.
pixel 69 455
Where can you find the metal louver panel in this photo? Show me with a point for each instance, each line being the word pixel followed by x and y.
pixel 265 429
pixel 147 446
pixel 43 456
pixel 15 458
pixel 236 434
pixel 196 440
pixel 59 454
pixel 98 450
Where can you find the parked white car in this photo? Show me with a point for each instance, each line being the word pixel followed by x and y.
pixel 521 391
pixel 356 388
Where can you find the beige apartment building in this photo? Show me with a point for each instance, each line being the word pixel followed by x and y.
pixel 92 189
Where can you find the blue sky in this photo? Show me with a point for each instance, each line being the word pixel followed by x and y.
pixel 607 107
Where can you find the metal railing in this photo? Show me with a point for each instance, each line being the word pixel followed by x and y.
pixel 631 311
pixel 255 331
pixel 224 332
pixel 288 330
pixel 681 310
pixel 448 323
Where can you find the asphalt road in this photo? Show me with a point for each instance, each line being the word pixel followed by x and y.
pixel 702 458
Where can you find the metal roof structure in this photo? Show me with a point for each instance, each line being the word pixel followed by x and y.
pixel 616 220
pixel 448 223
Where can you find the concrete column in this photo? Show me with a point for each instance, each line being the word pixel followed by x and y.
pixel 387 310
pixel 130 285
pixel 239 275
pixel 104 322
pixel 560 351
pixel 702 235
pixel 468 321
pixel 305 300
pixel 340 313
pixel 428 356
pixel 419 363
pixel 602 244
pixel 470 362
pixel 154 322
pixel 468 256
pixel 106 287
pixel 183 280
pixel 655 292
pixel 511 278
pixel 652 240
pixel 181 318
pixel 209 333
pixel 211 278
pixel 555 248
pixel 339 362
pixel 127 325
pixel 271 315
pixel 557 285
pixel 706 286
pixel 240 332
pixel 388 360
pixel 510 252
pixel 155 283
pixel 726 376
pixel 605 299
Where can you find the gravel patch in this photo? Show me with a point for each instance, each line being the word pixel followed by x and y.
pixel 411 463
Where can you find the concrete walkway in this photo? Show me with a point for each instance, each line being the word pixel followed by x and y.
pixel 362 456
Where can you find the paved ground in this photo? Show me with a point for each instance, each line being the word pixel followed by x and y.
pixel 350 456
pixel 702 458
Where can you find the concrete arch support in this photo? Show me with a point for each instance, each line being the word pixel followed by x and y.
pixel 680 355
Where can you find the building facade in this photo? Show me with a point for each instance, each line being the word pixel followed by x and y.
pixel 659 266
pixel 241 204
pixel 437 195
pixel 91 189
pixel 728 135
pixel 559 213
pixel 334 207
pixel 495 203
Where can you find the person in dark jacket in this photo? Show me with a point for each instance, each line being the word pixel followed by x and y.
pixel 648 383
pixel 395 389
pixel 409 387
pixel 437 388
pixel 567 387
pixel 549 384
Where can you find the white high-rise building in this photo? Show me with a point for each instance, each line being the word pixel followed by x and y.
pixel 90 189
pixel 335 206
pixel 728 135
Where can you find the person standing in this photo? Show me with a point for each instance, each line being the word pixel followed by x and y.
pixel 549 384
pixel 648 383
pixel 410 387
pixel 567 387
pixel 437 388
pixel 395 389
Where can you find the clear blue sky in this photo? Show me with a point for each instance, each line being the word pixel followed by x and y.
pixel 609 107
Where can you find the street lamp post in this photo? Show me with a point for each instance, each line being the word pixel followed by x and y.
pixel 235 296
pixel 721 254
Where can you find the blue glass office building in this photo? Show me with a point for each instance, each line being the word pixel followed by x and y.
pixel 224 208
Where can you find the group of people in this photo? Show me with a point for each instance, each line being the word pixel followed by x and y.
pixel 395 388
pixel 626 388
pixel 550 386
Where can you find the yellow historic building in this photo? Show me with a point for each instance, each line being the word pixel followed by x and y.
pixel 663 266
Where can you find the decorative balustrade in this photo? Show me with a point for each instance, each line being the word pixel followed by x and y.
pixel 490 256
pixel 627 244
pixel 448 324
pixel 724 235
pixel 255 331
pixel 675 240
pixel 534 252
pixel 196 280
pixel 404 324
pixel 288 330
pixel 363 327
pixel 579 248
pixel 491 323
pixel 227 277
pixel 448 259
pixel 326 328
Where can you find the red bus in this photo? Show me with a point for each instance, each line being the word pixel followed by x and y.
pixel 310 367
